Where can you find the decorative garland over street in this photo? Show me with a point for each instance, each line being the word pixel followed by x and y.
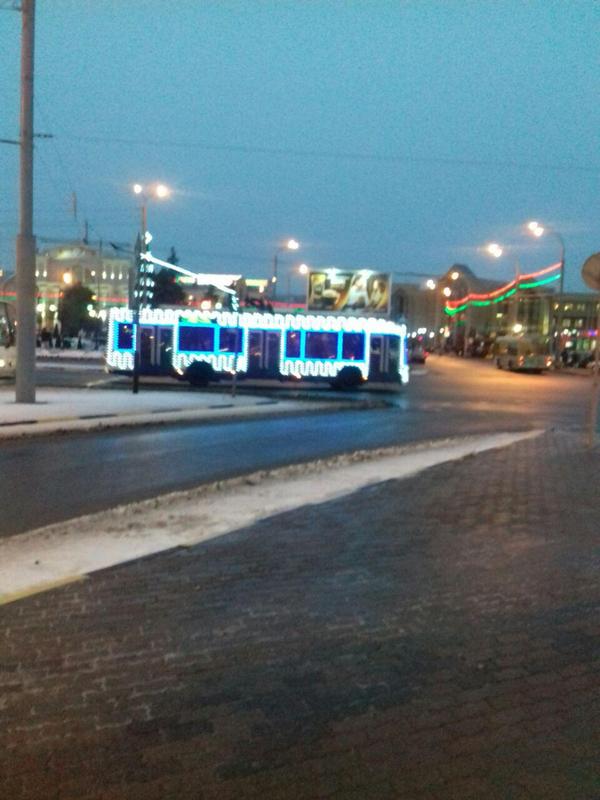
pixel 529 281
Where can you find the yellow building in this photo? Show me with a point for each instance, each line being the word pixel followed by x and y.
pixel 66 264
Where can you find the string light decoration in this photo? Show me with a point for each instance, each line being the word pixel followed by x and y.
pixel 529 281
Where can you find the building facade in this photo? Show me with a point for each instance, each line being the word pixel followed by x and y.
pixel 70 263
pixel 460 310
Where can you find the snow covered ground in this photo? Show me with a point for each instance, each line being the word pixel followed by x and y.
pixel 47 557
pixel 67 409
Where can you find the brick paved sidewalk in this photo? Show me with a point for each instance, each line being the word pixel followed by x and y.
pixel 431 638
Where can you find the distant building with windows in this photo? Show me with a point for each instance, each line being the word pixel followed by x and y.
pixel 461 308
pixel 61 266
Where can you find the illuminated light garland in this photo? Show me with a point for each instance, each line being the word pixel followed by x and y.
pixel 501 290
pixel 122 358
pixel 539 283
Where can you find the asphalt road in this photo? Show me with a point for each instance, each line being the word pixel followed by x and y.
pixel 48 480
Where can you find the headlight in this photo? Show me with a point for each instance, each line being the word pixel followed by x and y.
pixel 2 363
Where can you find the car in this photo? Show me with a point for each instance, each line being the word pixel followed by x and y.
pixel 417 353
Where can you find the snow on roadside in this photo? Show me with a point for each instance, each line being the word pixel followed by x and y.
pixel 49 556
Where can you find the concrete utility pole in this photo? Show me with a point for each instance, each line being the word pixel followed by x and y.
pixel 25 383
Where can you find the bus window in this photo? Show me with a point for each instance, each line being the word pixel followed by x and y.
pixel 196 339
pixel 292 344
pixel 353 346
pixel 321 345
pixel 230 340
pixel 125 336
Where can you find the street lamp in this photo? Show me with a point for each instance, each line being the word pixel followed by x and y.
pixel 538 231
pixel 145 193
pixel 154 191
pixel 291 244
pixel 494 249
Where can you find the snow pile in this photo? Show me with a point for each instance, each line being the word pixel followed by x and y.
pixel 58 553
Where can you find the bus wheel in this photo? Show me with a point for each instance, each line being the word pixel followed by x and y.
pixel 347 378
pixel 200 374
pixel 498 363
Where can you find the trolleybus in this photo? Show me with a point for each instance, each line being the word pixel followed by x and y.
pixel 525 353
pixel 200 346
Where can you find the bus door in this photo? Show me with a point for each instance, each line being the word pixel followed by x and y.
pixel 393 356
pixel 272 350
pixel 156 348
pixel 255 352
pixel 164 346
pixel 376 367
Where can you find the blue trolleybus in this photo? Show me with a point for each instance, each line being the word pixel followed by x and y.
pixel 201 346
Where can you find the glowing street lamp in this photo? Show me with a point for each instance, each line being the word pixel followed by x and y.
pixel 495 250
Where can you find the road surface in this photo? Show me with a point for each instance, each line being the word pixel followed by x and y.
pixel 51 479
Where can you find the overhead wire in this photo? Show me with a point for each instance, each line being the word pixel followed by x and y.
pixel 334 154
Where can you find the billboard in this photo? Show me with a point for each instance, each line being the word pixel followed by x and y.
pixel 361 291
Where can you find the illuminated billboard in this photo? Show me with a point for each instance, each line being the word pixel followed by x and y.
pixel 361 291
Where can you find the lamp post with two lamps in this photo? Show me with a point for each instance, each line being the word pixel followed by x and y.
pixel 538 231
pixel 142 291
pixel 291 244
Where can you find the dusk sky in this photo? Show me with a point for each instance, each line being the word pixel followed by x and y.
pixel 393 135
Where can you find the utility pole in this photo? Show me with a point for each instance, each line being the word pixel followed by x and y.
pixel 25 373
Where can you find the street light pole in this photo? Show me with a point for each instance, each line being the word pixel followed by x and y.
pixel 538 230
pixel 561 290
pixel 142 283
pixel 136 310
pixel 291 244
pixel 25 246
pixel 274 275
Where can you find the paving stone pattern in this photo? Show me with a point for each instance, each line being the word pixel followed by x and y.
pixel 432 638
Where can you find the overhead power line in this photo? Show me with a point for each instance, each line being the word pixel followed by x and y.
pixel 336 154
